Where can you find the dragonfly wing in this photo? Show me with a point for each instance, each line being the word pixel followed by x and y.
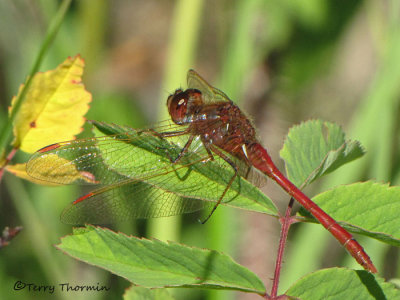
pixel 187 188
pixel 210 94
pixel 256 177
pixel 250 173
pixel 220 96
pixel 77 161
pixel 128 200
pixel 103 160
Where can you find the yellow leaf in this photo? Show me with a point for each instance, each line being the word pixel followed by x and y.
pixel 50 165
pixel 53 108
pixel 20 171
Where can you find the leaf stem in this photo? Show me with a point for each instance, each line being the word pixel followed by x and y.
pixel 286 221
pixel 6 161
pixel 50 35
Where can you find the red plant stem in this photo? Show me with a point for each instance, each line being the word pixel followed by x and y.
pixel 261 160
pixel 8 235
pixel 286 222
pixel 7 160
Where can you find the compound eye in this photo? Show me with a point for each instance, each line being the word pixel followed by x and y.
pixel 177 106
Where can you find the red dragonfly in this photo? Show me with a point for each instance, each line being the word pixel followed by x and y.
pixel 203 115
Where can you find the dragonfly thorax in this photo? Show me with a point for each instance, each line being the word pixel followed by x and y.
pixel 225 126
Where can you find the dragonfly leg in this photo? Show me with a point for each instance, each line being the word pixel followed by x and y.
pixel 172 134
pixel 168 134
pixel 226 158
pixel 210 155
pixel 183 151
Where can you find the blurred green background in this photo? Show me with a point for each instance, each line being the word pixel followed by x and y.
pixel 283 61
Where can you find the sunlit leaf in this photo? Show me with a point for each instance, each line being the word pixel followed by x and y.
pixel 201 180
pixel 367 208
pixel 53 108
pixel 342 284
pixel 60 169
pixel 20 171
pixel 315 148
pixel 138 178
pixel 153 263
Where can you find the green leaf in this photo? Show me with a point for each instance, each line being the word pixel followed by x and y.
pixel 156 264
pixel 199 180
pixel 337 283
pixel 138 292
pixel 315 148
pixel 137 178
pixel 367 208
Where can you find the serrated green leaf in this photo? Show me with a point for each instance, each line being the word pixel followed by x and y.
pixel 138 179
pixel 338 283
pixel 141 293
pixel 156 264
pixel 367 208
pixel 315 148
pixel 210 178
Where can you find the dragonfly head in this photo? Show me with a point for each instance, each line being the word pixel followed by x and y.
pixel 181 103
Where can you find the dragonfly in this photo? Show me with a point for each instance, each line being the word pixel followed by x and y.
pixel 203 117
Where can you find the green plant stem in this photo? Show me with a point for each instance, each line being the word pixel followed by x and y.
pixel 182 48
pixel 36 231
pixel 50 35
pixel 94 24
pixel 181 52
pixel 242 51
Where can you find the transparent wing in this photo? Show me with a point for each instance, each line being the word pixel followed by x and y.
pixel 187 189
pixel 131 200
pixel 210 94
pixel 138 177
pixel 133 154
pixel 250 173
